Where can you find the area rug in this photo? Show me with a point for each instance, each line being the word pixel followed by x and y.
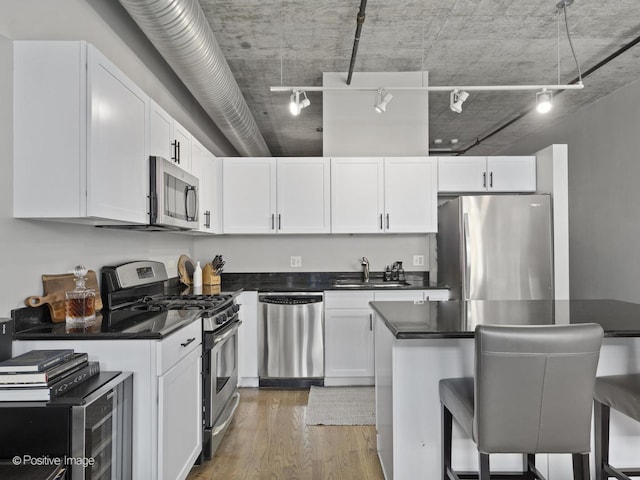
pixel 341 406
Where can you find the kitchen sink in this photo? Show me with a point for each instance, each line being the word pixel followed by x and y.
pixel 370 284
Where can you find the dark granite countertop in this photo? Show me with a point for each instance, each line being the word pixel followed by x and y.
pixel 315 281
pixel 458 319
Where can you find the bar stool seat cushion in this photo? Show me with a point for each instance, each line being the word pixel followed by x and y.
pixel 620 392
pixel 457 395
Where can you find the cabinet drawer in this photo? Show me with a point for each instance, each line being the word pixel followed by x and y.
pixel 353 299
pixel 178 345
pixel 436 294
pixel 400 296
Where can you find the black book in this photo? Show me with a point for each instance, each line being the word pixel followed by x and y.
pixel 45 377
pixel 65 384
pixel 35 360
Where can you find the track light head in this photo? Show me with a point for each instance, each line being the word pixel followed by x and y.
pixel 456 99
pixel 382 100
pixel 543 101
pixel 296 104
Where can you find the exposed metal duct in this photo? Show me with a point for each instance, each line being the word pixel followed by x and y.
pixel 180 32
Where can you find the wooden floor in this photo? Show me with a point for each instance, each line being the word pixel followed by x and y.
pixel 268 439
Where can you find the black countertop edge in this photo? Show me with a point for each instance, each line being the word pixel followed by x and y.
pixel 457 319
pixel 315 281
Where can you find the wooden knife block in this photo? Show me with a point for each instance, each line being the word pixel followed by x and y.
pixel 208 277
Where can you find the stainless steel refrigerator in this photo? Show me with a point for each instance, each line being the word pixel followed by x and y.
pixel 496 247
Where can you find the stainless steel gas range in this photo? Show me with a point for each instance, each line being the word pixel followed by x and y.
pixel 142 288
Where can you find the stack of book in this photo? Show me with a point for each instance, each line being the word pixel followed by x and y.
pixel 42 375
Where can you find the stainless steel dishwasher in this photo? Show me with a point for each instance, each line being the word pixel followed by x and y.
pixel 290 339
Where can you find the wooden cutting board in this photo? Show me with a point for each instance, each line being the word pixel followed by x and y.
pixel 186 267
pixel 55 287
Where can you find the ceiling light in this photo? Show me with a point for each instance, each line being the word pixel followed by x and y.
pixel 456 99
pixel 382 100
pixel 296 104
pixel 543 101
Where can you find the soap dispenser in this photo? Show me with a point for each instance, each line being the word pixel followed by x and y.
pixel 197 279
pixel 80 303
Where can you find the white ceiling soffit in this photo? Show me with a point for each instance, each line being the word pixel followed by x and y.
pixel 180 32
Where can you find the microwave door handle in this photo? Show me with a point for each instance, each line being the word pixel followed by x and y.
pixel 187 190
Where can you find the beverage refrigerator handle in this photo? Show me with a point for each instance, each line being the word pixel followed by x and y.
pixel 467 253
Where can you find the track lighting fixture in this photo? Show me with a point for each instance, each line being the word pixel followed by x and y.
pixel 382 100
pixel 296 104
pixel 456 99
pixel 543 101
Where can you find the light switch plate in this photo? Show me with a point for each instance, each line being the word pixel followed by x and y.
pixel 296 261
pixel 418 260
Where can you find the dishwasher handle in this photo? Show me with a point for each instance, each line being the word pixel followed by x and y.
pixel 290 299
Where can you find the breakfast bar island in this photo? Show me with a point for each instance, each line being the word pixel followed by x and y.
pixel 419 343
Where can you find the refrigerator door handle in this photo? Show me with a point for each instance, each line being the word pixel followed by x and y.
pixel 467 254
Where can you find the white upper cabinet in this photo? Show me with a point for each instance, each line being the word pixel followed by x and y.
pixel 80 136
pixel 249 195
pixel 487 174
pixel 410 194
pixel 377 195
pixel 208 169
pixel 269 195
pixel 169 139
pixel 303 200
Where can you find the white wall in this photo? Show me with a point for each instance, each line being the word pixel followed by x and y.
pixel 604 198
pixel 320 253
pixel 351 126
pixel 31 248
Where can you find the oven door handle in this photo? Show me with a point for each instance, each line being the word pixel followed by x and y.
pixel 227 334
pixel 222 426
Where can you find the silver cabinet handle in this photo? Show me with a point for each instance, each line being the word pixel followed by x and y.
pixel 207 223
pixel 371 322
pixel 484 180
pixel 273 219
pixel 387 221
pixel 381 227
pixel 279 222
pixel 491 180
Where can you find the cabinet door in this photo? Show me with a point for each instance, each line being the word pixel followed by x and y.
pixel 249 195
pixel 202 167
pixel 182 137
pixel 411 194
pixel 180 417
pixel 303 195
pixel 462 174
pixel 512 174
pixel 348 343
pixel 118 166
pixel 357 195
pixel 400 296
pixel 215 192
pixel 436 295
pixel 160 129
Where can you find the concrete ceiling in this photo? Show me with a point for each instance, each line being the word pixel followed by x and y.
pixel 460 42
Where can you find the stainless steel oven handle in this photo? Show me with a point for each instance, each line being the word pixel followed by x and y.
pixel 227 334
pixel 221 427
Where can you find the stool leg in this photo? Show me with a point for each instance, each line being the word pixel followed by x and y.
pixel 581 466
pixel 446 428
pixel 484 467
pixel 601 415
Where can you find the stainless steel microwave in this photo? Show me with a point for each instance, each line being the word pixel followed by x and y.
pixel 173 196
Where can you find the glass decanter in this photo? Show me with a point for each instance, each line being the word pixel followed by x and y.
pixel 81 301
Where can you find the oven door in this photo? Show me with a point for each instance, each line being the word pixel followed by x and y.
pixel 173 195
pixel 221 376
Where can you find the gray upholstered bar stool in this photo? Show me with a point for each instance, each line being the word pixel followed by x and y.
pixel 622 393
pixel 531 393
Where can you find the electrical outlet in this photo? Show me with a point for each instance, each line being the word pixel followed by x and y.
pixel 418 260
pixel 296 261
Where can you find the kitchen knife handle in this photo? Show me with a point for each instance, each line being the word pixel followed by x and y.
pixel 381 222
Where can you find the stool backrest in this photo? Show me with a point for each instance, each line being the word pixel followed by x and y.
pixel 534 387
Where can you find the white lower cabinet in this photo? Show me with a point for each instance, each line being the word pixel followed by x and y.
pixel 436 294
pixel 167 395
pixel 248 339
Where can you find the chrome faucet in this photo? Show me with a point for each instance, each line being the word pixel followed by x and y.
pixel 365 269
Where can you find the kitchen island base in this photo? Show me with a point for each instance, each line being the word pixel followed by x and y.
pixel 408 407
